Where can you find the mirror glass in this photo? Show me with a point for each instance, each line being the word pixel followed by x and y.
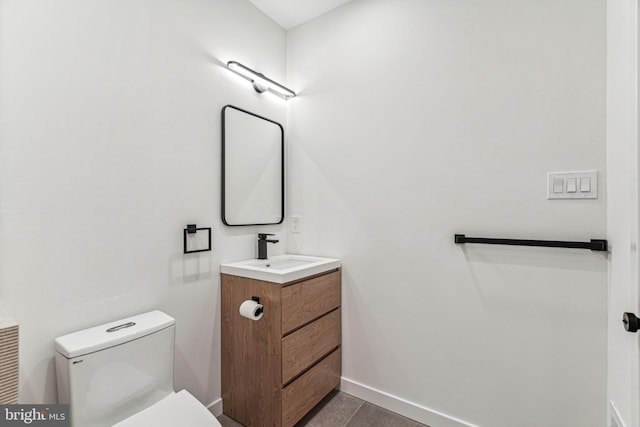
pixel 252 168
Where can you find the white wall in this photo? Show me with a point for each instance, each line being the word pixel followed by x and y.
pixel 622 207
pixel 420 119
pixel 109 146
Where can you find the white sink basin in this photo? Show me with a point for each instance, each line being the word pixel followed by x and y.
pixel 281 268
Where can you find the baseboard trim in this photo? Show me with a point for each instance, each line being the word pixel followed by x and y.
pixel 401 406
pixel 216 407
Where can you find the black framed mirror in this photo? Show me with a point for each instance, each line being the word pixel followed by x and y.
pixel 252 168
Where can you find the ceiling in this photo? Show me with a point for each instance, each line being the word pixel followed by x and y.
pixel 291 13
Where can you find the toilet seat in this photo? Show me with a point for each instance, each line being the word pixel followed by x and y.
pixel 177 409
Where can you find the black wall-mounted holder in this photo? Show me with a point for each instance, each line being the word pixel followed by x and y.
pixel 631 322
pixel 192 229
pixel 260 310
pixel 594 244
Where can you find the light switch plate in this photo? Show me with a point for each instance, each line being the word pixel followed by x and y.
pixel 295 223
pixel 573 191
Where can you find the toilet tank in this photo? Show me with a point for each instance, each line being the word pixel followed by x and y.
pixel 112 371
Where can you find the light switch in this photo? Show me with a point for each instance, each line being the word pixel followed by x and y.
pixel 572 185
pixel 558 185
pixel 585 184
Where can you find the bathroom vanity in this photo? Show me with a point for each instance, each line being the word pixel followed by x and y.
pixel 277 368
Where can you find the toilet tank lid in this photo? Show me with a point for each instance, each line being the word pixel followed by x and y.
pixel 112 333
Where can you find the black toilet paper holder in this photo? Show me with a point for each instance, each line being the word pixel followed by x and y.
pixel 260 310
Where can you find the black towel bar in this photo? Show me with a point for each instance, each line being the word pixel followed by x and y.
pixel 594 244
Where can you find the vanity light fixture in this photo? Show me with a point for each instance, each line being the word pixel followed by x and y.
pixel 260 82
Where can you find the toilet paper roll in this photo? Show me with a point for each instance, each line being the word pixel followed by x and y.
pixel 251 310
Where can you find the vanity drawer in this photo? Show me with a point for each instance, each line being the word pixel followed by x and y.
pixel 307 391
pixel 308 300
pixel 305 346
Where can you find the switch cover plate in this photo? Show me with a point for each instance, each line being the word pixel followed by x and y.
pixel 577 185
pixel 295 223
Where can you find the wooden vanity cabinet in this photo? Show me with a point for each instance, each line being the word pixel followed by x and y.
pixel 276 369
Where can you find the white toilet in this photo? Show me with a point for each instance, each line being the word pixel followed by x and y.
pixel 121 374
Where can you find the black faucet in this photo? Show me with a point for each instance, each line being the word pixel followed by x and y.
pixel 262 244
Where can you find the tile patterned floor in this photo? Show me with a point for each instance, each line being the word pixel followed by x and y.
pixel 342 410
